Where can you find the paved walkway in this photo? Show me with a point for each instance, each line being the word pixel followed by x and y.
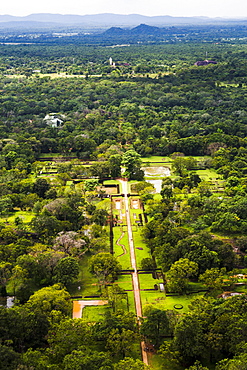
pixel 135 280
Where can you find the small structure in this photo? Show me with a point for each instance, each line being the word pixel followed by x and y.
pixel 54 120
pixel 162 287
pixel 226 295
pixel 204 62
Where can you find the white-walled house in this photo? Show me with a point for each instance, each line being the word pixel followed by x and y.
pixel 54 120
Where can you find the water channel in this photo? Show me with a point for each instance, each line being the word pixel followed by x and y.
pixel 153 171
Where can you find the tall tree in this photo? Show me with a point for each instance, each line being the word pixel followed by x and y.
pixel 104 266
pixel 155 326
pixel 179 273
pixel 131 161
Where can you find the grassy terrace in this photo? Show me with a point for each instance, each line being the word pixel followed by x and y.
pixel 147 281
pixel 143 252
pixel 208 174
pixel 141 249
pixel 163 302
pixel 94 313
pixel 155 158
pixel 125 282
pixel 122 254
pixel 87 282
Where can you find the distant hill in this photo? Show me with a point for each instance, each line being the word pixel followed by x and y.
pixel 144 29
pixel 107 20
pixel 116 31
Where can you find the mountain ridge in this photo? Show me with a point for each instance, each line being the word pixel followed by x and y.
pixel 112 19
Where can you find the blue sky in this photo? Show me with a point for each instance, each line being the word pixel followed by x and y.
pixel 210 8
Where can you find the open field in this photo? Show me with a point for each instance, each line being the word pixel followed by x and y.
pixel 120 253
pixel 141 249
pixel 125 282
pixel 155 158
pixel 94 313
pixel 25 216
pixel 208 174
pixel 88 283
pixel 163 302
pixel 147 281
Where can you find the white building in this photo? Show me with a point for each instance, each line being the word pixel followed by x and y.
pixel 54 120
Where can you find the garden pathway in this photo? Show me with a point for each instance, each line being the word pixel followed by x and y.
pixel 79 305
pixel 135 280
pixel 121 245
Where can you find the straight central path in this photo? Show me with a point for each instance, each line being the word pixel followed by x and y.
pixel 135 280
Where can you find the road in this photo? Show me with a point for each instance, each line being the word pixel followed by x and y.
pixel 135 280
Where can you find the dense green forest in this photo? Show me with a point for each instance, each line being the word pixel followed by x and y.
pixel 123 108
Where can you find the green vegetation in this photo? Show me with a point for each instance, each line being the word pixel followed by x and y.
pixel 94 313
pixel 141 249
pixel 63 226
pixel 122 254
pixel 162 302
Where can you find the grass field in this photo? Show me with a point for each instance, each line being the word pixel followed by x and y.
pixel 156 158
pixel 125 282
pixel 160 301
pixel 139 243
pixel 147 282
pixel 124 259
pixel 87 282
pixel 94 313
pixel 208 175
pixel 26 217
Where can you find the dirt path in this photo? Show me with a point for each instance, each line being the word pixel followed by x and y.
pixel 135 280
pixel 79 305
pixel 121 245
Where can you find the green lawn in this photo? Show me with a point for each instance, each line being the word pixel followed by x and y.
pixel 26 216
pixel 208 174
pixel 196 286
pixel 131 302
pixel 94 313
pixel 134 212
pixel 144 252
pixel 87 282
pixel 125 282
pixel 124 259
pixel 147 282
pixel 155 158
pixel 160 301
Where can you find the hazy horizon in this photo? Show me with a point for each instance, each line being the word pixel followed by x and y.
pixel 176 8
